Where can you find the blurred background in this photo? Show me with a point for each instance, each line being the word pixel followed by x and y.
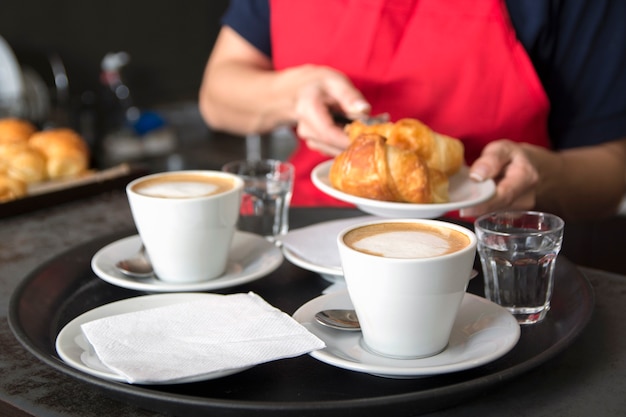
pixel 125 74
pixel 168 41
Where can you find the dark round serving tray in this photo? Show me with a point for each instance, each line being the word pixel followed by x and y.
pixel 65 287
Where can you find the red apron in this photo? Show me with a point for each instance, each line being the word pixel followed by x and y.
pixel 456 65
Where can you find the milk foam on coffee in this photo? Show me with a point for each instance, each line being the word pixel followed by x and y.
pixel 405 240
pixel 179 189
pixel 183 186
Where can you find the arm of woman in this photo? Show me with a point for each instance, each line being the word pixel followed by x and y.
pixel 242 93
pixel 578 183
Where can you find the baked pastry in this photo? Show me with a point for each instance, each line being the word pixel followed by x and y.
pixel 28 156
pixel 404 161
pixel 65 151
pixel 440 152
pixel 11 188
pixel 371 168
pixel 20 161
pixel 15 130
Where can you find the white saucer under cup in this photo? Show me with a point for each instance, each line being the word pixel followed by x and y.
pixel 483 332
pixel 250 257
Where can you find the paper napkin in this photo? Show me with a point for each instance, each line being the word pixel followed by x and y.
pixel 317 244
pixel 174 342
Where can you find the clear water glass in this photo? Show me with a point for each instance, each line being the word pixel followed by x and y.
pixel 518 252
pixel 268 186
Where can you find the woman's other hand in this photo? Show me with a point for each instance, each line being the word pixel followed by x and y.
pixel 516 178
pixel 578 183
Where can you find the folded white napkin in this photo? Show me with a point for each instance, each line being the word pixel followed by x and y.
pixel 198 337
pixel 317 243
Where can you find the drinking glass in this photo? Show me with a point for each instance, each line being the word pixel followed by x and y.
pixel 518 251
pixel 268 186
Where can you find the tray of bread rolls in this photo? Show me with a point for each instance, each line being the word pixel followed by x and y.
pixel 41 168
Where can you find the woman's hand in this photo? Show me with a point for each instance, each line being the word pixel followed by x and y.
pixel 242 93
pixel 516 178
pixel 578 183
pixel 324 91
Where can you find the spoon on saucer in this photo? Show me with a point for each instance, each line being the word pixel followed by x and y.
pixel 339 319
pixel 346 319
pixel 136 267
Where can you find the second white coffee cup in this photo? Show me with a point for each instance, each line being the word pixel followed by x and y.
pixel 186 220
pixel 406 279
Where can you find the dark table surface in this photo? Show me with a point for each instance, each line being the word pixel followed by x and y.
pixel 587 378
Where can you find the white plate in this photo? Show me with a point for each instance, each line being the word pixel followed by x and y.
pixel 74 349
pixel 251 257
pixel 464 192
pixel 483 332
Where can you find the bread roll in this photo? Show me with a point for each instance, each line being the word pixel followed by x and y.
pixel 23 162
pixel 15 130
pixel 29 156
pixel 65 151
pixel 11 188
pixel 371 168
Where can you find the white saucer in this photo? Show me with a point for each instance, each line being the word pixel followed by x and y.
pixel 251 257
pixel 464 192
pixel 74 349
pixel 483 332
pixel 329 273
pixel 314 247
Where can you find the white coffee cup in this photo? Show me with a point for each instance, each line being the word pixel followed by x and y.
pixel 186 220
pixel 406 279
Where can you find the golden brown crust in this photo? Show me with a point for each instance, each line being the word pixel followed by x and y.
pixel 361 169
pixel 28 156
pixel 66 152
pixel 11 188
pixel 440 152
pixel 23 162
pixel 404 161
pixel 371 168
pixel 15 130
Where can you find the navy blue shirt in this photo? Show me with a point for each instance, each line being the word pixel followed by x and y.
pixel 578 48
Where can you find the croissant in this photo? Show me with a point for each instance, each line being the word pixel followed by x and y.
pixel 440 152
pixel 371 168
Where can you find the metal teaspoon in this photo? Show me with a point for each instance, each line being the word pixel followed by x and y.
pixel 346 319
pixel 339 319
pixel 136 267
